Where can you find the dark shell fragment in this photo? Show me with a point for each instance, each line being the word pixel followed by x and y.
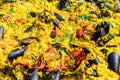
pixel 55 22
pixel 26 41
pixel 113 61
pixel 32 75
pixel 29 29
pixel 54 75
pixel 16 53
pixel 59 17
pixel 1 31
pixel 96 61
pixel 62 4
pixel 34 14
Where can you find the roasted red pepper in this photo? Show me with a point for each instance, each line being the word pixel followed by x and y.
pixel 80 32
pixel 24 62
pixel 56 32
pixel 76 53
pixel 57 68
pixel 79 59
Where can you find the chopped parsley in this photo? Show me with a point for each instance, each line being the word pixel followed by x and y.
pixel 10 11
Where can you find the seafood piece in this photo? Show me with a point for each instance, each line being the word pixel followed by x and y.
pixel 59 17
pixel 1 31
pixel 32 75
pixel 16 53
pixel 113 61
pixel 54 75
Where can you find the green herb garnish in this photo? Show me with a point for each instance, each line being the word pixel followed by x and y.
pixel 10 11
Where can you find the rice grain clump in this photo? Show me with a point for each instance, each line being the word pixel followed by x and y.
pixel 59 40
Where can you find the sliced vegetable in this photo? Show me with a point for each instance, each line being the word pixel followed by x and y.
pixel 24 62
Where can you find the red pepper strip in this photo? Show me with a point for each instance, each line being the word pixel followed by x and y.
pixel 41 66
pixel 40 63
pixel 63 67
pixel 52 69
pixel 57 68
pixel 24 62
pixel 79 59
pixel 65 60
pixel 80 32
pixel 80 56
pixel 40 60
pixel 76 53
pixel 56 32
pixel 73 54
pixel 38 68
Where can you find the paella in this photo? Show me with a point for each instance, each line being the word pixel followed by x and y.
pixel 59 39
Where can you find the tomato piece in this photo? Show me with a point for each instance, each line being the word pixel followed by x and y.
pixel 71 18
pixel 51 50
